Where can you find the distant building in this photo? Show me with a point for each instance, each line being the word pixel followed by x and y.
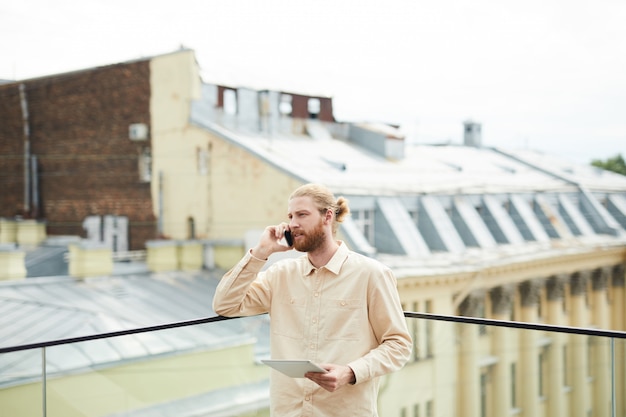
pixel 77 145
pixel 468 229
pixel 111 154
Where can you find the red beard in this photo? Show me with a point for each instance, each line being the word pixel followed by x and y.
pixel 312 241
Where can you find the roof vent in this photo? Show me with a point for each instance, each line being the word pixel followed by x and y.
pixel 338 165
pixel 384 140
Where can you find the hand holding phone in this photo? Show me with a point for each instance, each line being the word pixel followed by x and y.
pixel 288 238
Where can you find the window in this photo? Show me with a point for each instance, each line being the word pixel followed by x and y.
pixel 590 355
pixel 230 102
pixel 565 367
pixel 541 371
pixel 416 410
pixel 483 394
pixel 191 228
pixel 415 330
pixel 264 103
pixel 429 330
pixel 480 312
pixel 429 408
pixel 202 156
pixel 513 385
pixel 364 220
pixel 313 107
pixel 422 332
pixel 285 107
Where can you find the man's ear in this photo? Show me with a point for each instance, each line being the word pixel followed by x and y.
pixel 328 218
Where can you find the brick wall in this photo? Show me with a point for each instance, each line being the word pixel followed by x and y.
pixel 11 151
pixel 79 132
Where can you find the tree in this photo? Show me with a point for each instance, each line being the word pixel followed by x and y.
pixel 615 164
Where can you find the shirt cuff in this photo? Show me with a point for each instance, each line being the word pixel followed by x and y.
pixel 353 382
pixel 254 257
pixel 360 370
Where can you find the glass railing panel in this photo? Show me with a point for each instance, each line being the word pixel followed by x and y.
pixel 466 369
pixel 618 352
pixel 202 370
pixel 488 371
pixel 21 385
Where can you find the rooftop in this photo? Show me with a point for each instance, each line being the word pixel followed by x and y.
pixel 52 308
pixel 448 204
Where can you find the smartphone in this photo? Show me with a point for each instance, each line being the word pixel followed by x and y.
pixel 288 238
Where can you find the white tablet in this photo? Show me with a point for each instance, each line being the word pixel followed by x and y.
pixel 294 368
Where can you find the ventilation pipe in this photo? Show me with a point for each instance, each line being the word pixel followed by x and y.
pixel 161 198
pixel 472 134
pixel 24 105
pixel 35 186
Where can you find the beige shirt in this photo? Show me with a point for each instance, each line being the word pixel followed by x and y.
pixel 347 312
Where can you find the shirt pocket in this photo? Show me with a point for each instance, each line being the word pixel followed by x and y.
pixel 345 319
pixel 288 318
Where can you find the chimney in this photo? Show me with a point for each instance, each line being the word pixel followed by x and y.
pixel 472 134
pixel 12 262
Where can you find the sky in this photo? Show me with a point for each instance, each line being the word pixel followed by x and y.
pixel 546 75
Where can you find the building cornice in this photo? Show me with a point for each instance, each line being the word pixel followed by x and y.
pixel 505 271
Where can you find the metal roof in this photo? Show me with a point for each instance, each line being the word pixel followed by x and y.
pixel 45 309
pixel 427 200
pixel 348 168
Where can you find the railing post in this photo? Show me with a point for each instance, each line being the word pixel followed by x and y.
pixel 43 382
pixel 613 398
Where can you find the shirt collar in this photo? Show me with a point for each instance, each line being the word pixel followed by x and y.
pixel 335 263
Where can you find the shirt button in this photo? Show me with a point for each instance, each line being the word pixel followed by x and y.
pixel 307 398
pixel 312 345
pixel 316 294
pixel 314 320
pixel 343 303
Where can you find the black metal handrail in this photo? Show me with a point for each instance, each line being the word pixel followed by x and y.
pixel 427 316
pixel 116 333
pixel 519 325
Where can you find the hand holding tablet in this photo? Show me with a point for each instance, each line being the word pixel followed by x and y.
pixel 294 368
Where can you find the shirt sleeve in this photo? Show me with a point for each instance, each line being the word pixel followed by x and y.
pixel 390 329
pixel 241 292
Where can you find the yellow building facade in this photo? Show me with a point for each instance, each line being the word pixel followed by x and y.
pixel 513 371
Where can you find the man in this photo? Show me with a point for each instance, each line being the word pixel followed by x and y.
pixel 332 306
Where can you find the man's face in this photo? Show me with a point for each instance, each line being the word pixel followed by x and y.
pixel 306 224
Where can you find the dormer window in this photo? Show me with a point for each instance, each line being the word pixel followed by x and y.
pixel 314 107
pixel 285 107
pixel 230 102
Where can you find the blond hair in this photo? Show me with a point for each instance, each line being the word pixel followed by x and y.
pixel 324 200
